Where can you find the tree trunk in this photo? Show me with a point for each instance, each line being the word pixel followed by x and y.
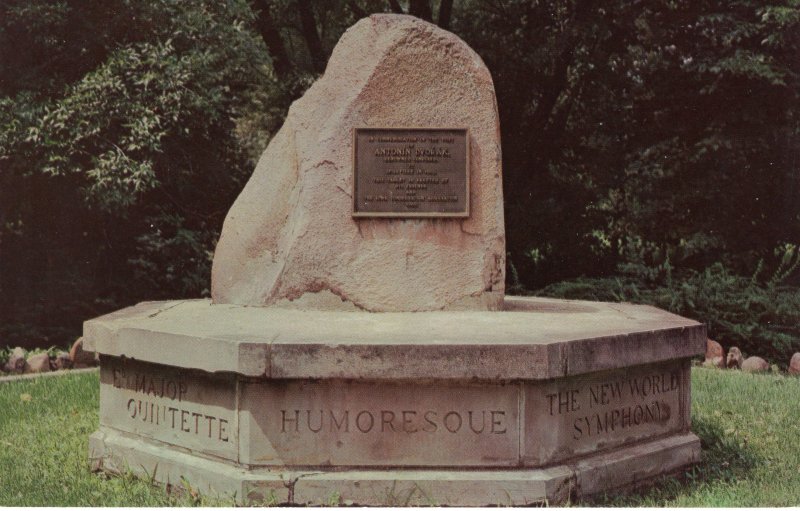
pixel 396 8
pixel 445 10
pixel 420 9
pixel 265 25
pixel 356 9
pixel 309 27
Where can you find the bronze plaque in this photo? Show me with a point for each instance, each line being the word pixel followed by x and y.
pixel 415 172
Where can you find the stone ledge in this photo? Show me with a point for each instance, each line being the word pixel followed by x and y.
pixel 534 338
pixel 116 452
pixel 636 465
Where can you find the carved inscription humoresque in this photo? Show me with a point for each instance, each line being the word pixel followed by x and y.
pixel 415 172
pixel 397 421
pixel 359 423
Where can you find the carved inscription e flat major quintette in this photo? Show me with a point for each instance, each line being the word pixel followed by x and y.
pixel 415 172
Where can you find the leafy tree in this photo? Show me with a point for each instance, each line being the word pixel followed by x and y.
pixel 120 178
pixel 644 133
pixel 654 141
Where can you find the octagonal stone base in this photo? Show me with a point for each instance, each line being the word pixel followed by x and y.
pixel 545 401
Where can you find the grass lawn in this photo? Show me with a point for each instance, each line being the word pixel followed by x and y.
pixel 750 427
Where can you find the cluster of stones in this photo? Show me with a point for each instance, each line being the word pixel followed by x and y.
pixel 716 358
pixel 22 362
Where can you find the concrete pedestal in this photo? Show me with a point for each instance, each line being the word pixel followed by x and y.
pixel 545 401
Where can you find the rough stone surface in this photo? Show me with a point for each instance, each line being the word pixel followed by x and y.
pixel 794 364
pixel 193 410
pixel 755 365
pixel 332 423
pixel 290 238
pixel 39 363
pixel 568 417
pixel 433 488
pixel 715 355
pixel 735 358
pixel 635 465
pixel 118 452
pixel 534 338
pixel 335 423
pixel 714 349
pixel 80 357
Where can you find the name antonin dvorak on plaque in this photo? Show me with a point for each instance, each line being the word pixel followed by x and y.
pixel 413 172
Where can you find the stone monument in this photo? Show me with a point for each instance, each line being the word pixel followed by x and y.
pixel 358 347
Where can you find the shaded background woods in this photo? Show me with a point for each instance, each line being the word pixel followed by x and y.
pixel 650 148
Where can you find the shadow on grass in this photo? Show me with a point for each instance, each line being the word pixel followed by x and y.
pixel 724 459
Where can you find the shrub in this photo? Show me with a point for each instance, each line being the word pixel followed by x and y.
pixel 762 317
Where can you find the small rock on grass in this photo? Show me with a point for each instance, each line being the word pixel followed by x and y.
pixel 755 365
pixel 39 363
pixel 794 364
pixel 715 355
pixel 61 361
pixel 715 362
pixel 735 358
pixel 16 361
pixel 713 349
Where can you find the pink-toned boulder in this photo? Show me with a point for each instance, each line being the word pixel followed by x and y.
pixel 715 355
pixel 80 358
pixel 794 364
pixel 290 238
pixel 39 363
pixel 714 349
pixel 735 358
pixel 755 365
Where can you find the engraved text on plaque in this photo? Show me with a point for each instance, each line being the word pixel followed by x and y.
pixel 417 172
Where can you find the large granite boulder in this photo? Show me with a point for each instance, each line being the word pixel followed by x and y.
pixel 290 238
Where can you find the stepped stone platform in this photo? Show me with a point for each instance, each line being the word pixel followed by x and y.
pixel 545 401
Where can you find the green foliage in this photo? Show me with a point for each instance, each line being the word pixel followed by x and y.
pixel 663 127
pixel 52 351
pixel 174 258
pixel 642 141
pixel 114 185
pixel 759 315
